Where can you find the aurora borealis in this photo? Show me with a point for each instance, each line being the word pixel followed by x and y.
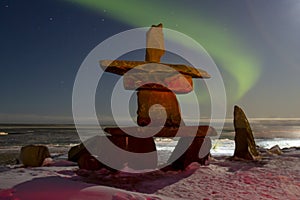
pixel 225 47
pixel 255 45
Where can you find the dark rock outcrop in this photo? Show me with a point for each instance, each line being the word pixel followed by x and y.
pixel 34 155
pixel 76 151
pixel 85 160
pixel 198 151
pixel 89 162
pixel 245 146
pixel 275 150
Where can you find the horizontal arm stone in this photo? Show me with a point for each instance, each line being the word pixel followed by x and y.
pixel 177 83
pixel 120 67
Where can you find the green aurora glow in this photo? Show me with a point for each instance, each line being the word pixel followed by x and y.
pixel 230 52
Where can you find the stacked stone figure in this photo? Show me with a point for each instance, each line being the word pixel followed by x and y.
pixel 156 84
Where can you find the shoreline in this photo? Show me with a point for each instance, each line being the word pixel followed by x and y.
pixel 220 147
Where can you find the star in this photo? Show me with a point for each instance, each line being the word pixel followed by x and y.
pixel 50 18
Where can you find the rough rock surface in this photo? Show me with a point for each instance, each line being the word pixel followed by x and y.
pixel 167 111
pixel 155 43
pixel 89 162
pixel 139 146
pixel 121 67
pixel 75 152
pixel 34 155
pixel 175 82
pixel 198 150
pixel 101 149
pixel 275 150
pixel 245 146
pixel 82 156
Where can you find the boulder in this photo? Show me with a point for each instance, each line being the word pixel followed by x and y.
pixel 275 150
pixel 102 150
pixel 245 146
pixel 34 155
pixel 82 156
pixel 198 151
pixel 75 152
pixel 168 105
pixel 89 162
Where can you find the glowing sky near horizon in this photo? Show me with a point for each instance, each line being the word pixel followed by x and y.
pixel 225 47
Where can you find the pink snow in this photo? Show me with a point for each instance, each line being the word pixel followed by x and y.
pixel 274 177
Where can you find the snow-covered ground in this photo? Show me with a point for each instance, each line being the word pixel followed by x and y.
pixel 273 177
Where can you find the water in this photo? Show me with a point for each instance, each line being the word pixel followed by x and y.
pixel 59 138
pixel 53 135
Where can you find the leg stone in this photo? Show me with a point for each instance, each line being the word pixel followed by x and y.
pixel 131 144
pixel 198 151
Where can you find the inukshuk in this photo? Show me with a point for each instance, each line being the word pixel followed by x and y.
pixel 156 84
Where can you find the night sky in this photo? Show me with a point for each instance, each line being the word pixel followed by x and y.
pixel 255 44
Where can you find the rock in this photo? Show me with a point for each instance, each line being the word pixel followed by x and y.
pixel 192 154
pixel 290 149
pixel 155 78
pixel 169 132
pixel 245 146
pixel 275 150
pixel 168 109
pixel 34 155
pixel 133 145
pixel 121 67
pixel 7 158
pixel 101 149
pixel 261 149
pixel 82 156
pixel 155 44
pixel 89 162
pixel 139 146
pixel 155 49
pixel 75 152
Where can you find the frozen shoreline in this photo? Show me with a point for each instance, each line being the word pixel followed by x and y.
pixel 274 177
